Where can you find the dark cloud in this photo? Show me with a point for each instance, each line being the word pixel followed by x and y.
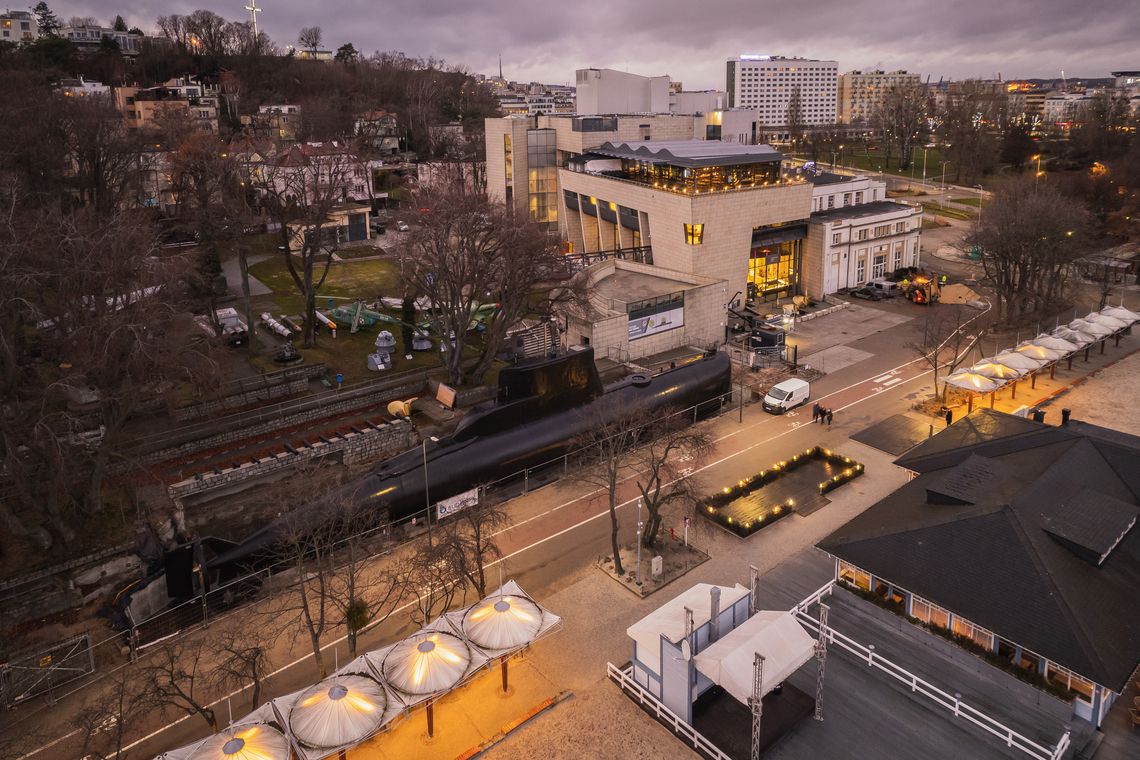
pixel 690 39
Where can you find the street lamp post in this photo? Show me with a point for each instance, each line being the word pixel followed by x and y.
pixel 924 167
pixel 639 527
pixel 942 179
pixel 978 218
pixel 1038 172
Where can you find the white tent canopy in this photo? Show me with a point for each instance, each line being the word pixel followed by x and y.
pixel 337 711
pixel 1096 329
pixel 427 662
pixel 1019 361
pixel 972 381
pixel 1116 323
pixel 248 742
pixel 776 636
pixel 1079 337
pixel 1035 351
pixel 502 622
pixel 1121 313
pixel 1060 345
pixel 668 620
pixel 995 371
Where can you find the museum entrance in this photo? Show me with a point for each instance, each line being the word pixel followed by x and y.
pixel 775 262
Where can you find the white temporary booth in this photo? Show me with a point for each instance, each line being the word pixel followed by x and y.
pixel 776 636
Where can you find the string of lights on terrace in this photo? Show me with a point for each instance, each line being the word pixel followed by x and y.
pixel 689 167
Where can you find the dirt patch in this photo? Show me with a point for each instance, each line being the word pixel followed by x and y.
pixel 676 560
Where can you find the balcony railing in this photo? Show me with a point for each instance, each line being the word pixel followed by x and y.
pixel 680 189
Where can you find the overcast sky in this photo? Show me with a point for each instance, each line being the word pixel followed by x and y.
pixel 546 40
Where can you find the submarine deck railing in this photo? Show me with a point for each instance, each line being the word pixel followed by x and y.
pixel 221 601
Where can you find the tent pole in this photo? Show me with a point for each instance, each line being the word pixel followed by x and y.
pixel 504 663
pixel 430 720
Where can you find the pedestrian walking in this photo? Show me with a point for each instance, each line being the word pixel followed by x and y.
pixel 829 419
pixel 815 411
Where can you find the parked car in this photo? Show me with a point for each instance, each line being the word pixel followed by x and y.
pixel 402 226
pixel 787 395
pixel 886 287
pixel 869 294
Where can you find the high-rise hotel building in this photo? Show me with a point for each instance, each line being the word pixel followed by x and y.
pixel 767 83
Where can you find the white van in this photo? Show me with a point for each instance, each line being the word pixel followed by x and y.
pixel 787 395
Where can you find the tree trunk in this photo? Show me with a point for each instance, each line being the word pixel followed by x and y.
pixel 247 304
pixel 614 525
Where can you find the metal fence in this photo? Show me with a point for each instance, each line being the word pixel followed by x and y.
pixel 951 702
pixel 625 680
pixel 41 671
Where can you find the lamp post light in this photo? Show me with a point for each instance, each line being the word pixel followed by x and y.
pixel 978 218
pixel 1037 174
pixel 639 528
pixel 942 179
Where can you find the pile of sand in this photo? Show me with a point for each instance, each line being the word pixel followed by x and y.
pixel 959 294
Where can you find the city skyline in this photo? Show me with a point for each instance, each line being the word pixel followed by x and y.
pixel 547 42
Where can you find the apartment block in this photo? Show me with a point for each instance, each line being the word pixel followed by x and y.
pixel 861 93
pixel 768 84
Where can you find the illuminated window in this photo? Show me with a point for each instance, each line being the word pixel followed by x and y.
pixel 1070 680
pixel 694 234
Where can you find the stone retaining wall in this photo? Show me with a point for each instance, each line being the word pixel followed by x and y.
pixel 372 443
pixel 288 388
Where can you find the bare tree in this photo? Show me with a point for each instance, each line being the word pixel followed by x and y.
pixel 470 254
pixel 181 677
pixel 310 38
pixel 899 119
pixel 1029 235
pixel 104 155
pixel 664 465
pixel 245 657
pixel 102 722
pixel 300 189
pixel 971 123
pixel 470 538
pixel 609 452
pixel 433 581
pixel 944 341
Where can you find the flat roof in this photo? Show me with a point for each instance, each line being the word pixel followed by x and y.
pixel 858 212
pixel 830 178
pixel 690 153
pixel 629 286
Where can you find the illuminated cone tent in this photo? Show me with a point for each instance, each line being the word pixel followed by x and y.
pixel 1053 343
pixel 337 711
pixel 1040 353
pixel 972 381
pixel 426 663
pixel 256 742
pixel 1121 313
pixel 1096 329
pixel 1018 361
pixel 502 622
pixel 995 371
pixel 1099 318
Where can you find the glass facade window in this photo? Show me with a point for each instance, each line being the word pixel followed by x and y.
pixel 773 270
pixel 879 266
pixel 862 234
pixel 900 227
pixel 1070 680
pixel 882 230
pixel 861 271
pixel 694 234
pixel 855 576
pixel 542 175
pixel 835 238
pixel 699 179
pixel 898 256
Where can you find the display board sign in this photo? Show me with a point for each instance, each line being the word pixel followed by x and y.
pixel 445 395
pixel 456 503
pixel 646 322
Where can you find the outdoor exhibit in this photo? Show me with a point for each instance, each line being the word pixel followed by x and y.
pixel 380 688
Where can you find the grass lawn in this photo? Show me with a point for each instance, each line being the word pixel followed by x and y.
pixel 972 201
pixel 346 281
pixel 872 161
pixel 952 213
pixel 930 223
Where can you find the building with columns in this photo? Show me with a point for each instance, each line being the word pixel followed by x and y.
pixel 1018 539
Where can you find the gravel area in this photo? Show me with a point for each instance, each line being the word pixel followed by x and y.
pixel 1098 400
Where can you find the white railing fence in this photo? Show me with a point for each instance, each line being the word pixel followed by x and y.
pixel 918 686
pixel 624 679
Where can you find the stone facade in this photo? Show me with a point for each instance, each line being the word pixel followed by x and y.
pixel 729 219
pixel 606 324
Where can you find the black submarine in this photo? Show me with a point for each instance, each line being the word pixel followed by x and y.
pixel 542 407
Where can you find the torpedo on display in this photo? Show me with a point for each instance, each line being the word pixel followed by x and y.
pixel 542 407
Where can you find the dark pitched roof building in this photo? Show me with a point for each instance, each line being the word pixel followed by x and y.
pixel 1025 529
